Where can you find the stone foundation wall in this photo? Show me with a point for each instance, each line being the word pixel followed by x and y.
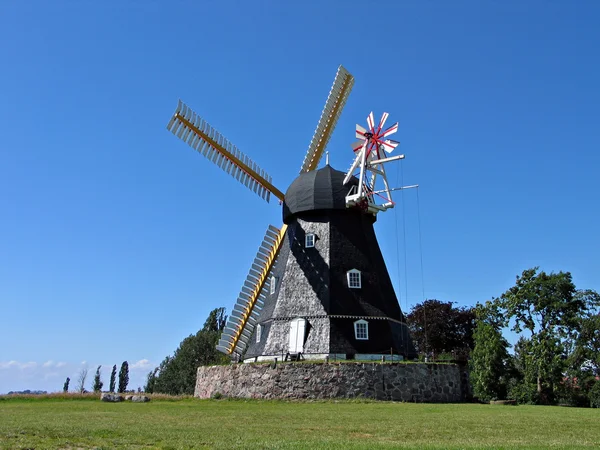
pixel 440 383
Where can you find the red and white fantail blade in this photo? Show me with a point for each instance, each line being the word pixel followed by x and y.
pixel 389 145
pixel 356 146
pixel 371 122
pixel 360 132
pixel 384 117
pixel 390 130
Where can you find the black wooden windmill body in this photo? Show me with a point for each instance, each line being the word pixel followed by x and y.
pixel 318 286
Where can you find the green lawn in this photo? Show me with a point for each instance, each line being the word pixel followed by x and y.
pixel 190 423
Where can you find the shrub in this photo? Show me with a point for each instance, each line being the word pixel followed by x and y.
pixel 523 393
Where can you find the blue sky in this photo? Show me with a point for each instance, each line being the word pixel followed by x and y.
pixel 118 239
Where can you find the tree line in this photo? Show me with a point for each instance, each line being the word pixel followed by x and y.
pixel 557 356
pixel 98 384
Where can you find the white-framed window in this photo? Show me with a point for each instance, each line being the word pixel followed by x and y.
pixel 361 330
pixel 309 240
pixel 258 332
pixel 354 279
pixel 273 285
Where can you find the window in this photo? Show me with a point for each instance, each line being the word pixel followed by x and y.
pixel 309 240
pixel 273 285
pixel 258 332
pixel 354 281
pixel 361 330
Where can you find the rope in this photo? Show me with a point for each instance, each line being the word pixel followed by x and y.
pixel 404 244
pixel 422 272
pixel 398 253
pixel 400 174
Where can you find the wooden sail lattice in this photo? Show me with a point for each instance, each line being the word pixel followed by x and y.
pixel 202 137
pixel 251 299
pixel 338 95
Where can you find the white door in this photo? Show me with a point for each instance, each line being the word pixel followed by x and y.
pixel 297 333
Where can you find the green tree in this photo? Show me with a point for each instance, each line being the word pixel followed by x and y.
pixel 523 387
pixel 216 320
pixel 151 381
pixel 113 378
pixel 544 305
pixel 66 385
pixel 440 327
pixel 177 374
pixel 584 341
pixel 583 348
pixel 123 377
pixel 490 362
pixel 97 382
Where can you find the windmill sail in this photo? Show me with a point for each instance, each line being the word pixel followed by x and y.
pixel 191 128
pixel 251 298
pixel 342 85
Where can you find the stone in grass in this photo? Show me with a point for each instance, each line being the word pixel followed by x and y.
pixel 108 397
pixel 128 398
pixel 140 399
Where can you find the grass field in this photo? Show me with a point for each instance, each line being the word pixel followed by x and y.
pixel 190 423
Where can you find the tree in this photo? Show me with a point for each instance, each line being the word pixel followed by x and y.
pixel 586 354
pixel 113 378
pixel 151 381
pixel 177 374
pixel 216 320
pixel 584 342
pixel 440 327
pixel 66 385
pixel 523 387
pixel 544 305
pixel 81 377
pixel 123 377
pixel 490 363
pixel 97 382
pixel 583 348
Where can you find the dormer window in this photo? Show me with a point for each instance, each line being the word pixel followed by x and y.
pixel 361 330
pixel 354 279
pixel 309 241
pixel 258 332
pixel 273 285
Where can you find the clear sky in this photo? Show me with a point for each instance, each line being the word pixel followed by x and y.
pixel 116 239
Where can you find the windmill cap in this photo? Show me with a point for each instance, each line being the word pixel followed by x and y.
pixel 316 190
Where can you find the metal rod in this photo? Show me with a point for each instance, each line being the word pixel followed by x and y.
pixel 397 189
pixel 384 160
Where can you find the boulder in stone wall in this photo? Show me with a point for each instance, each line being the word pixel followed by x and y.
pixel 140 399
pixel 128 398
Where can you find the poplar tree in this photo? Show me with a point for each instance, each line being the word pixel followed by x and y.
pixel 66 385
pixel 97 382
pixel 113 378
pixel 123 377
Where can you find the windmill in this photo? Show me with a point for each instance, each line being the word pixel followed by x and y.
pixel 318 286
